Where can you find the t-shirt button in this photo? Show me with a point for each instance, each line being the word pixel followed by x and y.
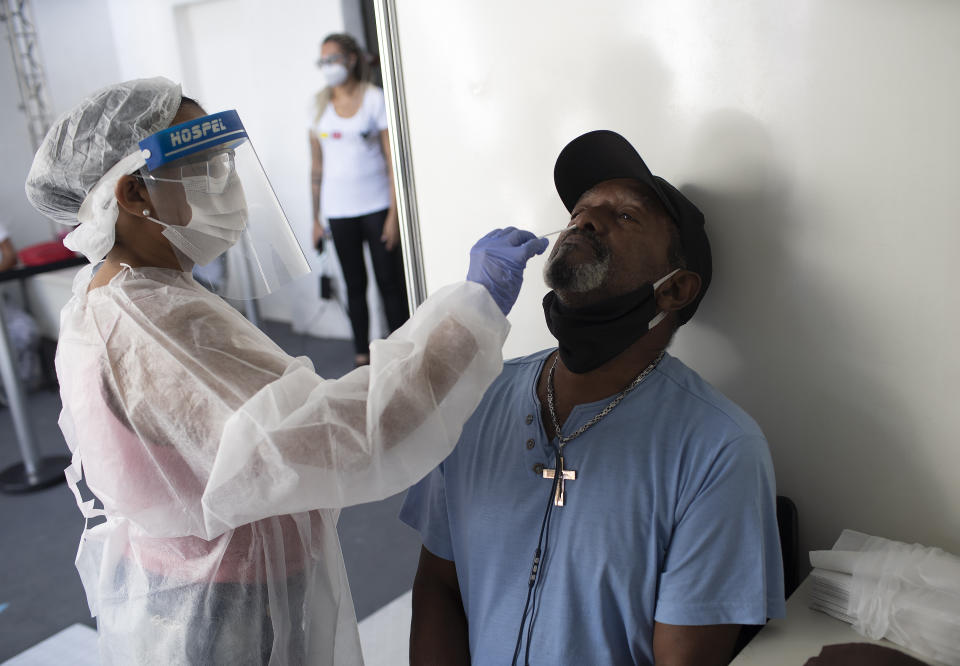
pixel 538 469
pixel 529 419
pixel 531 444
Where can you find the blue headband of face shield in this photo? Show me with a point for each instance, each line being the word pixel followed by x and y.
pixel 222 129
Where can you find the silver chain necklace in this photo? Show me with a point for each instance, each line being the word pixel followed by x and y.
pixel 563 440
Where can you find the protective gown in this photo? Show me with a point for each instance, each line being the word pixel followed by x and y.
pixel 221 463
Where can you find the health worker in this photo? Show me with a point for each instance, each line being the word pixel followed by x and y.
pixel 220 462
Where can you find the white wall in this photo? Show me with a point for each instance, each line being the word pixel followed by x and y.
pixel 820 138
pixel 25 225
pixel 75 66
pixel 253 56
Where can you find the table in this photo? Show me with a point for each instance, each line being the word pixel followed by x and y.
pixel 34 472
pixel 802 634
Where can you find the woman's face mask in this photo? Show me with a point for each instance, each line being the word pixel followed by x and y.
pixel 334 73
pixel 217 208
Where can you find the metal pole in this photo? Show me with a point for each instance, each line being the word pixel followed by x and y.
pixel 15 396
pixel 35 472
pixel 392 70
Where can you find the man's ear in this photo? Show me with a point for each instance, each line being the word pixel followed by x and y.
pixel 132 196
pixel 679 291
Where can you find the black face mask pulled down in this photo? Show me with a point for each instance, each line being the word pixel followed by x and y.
pixel 590 336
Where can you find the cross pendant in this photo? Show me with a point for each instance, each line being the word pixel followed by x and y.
pixel 565 475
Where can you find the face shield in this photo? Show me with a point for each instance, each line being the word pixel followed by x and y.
pixel 218 210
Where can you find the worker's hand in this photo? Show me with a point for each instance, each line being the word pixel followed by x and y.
pixel 497 261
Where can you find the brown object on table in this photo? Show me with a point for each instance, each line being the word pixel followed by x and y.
pixel 861 654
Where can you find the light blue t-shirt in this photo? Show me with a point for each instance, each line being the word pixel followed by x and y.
pixel 672 518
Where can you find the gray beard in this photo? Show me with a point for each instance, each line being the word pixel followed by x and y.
pixel 563 276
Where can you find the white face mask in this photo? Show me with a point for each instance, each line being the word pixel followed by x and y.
pixel 216 224
pixel 223 215
pixel 334 73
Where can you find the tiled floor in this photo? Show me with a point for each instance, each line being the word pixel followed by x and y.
pixel 40 592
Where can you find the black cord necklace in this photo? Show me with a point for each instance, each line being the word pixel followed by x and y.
pixel 556 499
pixel 533 583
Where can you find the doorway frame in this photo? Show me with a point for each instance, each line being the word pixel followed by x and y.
pixel 401 156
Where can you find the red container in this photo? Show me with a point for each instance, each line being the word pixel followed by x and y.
pixel 44 253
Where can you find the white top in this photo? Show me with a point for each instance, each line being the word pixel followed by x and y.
pixel 355 178
pixel 4 234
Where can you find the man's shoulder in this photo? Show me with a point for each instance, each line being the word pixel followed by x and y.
pixel 518 372
pixel 699 395
pixel 521 362
pixel 514 386
pixel 521 368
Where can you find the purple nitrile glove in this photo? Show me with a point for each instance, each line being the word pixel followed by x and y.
pixel 497 261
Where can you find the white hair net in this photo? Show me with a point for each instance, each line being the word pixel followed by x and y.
pixel 85 143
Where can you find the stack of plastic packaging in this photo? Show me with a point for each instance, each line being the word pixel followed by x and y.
pixel 908 594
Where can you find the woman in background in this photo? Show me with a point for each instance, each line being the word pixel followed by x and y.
pixel 352 185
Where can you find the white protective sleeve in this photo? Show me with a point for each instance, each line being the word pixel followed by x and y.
pixel 190 421
pixel 303 442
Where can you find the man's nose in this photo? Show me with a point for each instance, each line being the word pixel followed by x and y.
pixel 589 219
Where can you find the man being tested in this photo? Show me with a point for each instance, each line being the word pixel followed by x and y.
pixel 605 505
pixel 221 462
